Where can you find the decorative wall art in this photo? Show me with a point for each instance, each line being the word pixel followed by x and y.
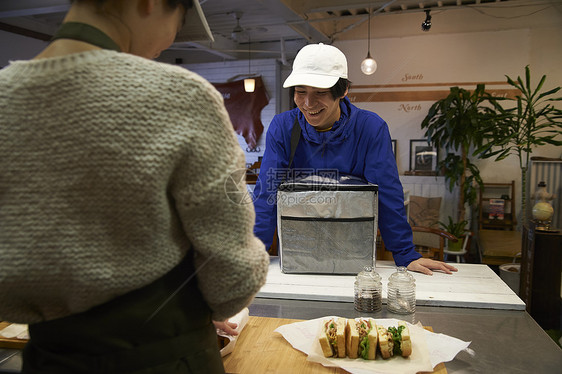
pixel 423 157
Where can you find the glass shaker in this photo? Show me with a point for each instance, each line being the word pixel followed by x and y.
pixel 368 291
pixel 401 292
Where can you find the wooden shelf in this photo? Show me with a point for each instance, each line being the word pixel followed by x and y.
pixel 495 223
pixel 500 191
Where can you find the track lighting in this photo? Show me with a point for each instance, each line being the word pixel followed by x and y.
pixel 426 25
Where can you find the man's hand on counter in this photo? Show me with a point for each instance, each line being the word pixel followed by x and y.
pixel 426 265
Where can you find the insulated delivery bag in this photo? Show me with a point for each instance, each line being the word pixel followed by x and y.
pixel 327 225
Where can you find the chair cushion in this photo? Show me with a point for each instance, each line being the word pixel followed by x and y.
pixel 424 211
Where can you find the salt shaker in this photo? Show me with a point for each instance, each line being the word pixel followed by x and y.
pixel 368 291
pixel 401 292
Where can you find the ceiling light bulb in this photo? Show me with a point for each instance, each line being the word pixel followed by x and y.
pixel 369 65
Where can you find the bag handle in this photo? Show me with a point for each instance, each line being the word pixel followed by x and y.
pixel 295 137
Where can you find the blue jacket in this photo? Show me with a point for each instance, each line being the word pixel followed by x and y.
pixel 358 144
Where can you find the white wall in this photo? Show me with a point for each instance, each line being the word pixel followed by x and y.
pixel 454 58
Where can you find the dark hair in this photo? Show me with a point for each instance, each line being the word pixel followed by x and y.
pixel 187 4
pixel 337 90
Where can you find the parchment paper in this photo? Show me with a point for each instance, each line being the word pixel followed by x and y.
pixel 303 336
pixel 241 319
pixel 15 331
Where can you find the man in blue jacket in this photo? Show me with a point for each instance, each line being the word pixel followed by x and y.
pixel 335 135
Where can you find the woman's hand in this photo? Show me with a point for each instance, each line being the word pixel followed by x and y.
pixel 226 327
pixel 426 265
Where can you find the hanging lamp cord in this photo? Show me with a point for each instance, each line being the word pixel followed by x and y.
pixel 369 33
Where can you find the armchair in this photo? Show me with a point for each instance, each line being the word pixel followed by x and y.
pixel 429 242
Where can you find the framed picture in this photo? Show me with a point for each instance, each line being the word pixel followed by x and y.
pixel 423 156
pixel 394 147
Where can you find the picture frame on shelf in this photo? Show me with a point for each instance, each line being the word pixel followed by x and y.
pixel 423 157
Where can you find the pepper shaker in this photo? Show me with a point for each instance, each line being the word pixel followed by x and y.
pixel 368 291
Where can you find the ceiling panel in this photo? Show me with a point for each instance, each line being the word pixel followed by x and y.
pixel 279 28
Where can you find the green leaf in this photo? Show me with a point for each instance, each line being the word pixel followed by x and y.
pixel 553 91
pixel 541 83
pixel 528 78
pixel 364 347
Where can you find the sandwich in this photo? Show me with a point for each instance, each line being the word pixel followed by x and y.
pixel 361 338
pixel 395 340
pixel 385 343
pixel 401 337
pixel 332 337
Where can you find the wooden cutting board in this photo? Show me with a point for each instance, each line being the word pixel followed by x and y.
pixel 260 350
pixel 10 342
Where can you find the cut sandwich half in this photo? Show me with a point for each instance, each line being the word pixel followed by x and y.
pixel 368 338
pixel 401 338
pixel 361 338
pixel 351 338
pixel 386 343
pixel 340 337
pixel 332 337
pixel 405 342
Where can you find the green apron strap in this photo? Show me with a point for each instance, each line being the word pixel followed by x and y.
pixel 85 33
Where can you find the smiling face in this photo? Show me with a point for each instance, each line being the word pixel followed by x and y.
pixel 320 109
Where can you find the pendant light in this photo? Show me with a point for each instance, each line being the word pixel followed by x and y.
pixel 249 83
pixel 369 65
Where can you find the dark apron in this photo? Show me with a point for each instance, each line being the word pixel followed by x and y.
pixel 118 336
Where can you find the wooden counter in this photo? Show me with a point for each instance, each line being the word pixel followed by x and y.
pixel 10 342
pixel 261 350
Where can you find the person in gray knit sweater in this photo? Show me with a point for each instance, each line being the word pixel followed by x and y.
pixel 120 237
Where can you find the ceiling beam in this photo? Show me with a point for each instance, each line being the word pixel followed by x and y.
pixel 25 32
pixel 296 22
pixel 217 47
pixel 362 5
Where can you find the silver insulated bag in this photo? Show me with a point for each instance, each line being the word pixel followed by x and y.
pixel 327 225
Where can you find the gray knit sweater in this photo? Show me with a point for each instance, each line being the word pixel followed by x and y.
pixel 112 167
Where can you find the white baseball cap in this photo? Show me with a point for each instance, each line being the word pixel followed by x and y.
pixel 196 27
pixel 317 65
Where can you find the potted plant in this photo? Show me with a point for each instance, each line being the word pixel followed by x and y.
pixel 457 229
pixel 451 123
pixel 531 121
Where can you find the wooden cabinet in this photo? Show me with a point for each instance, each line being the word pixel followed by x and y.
pixel 541 265
pixel 497 206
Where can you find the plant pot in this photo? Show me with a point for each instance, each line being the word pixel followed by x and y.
pixel 456 246
pixel 510 274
